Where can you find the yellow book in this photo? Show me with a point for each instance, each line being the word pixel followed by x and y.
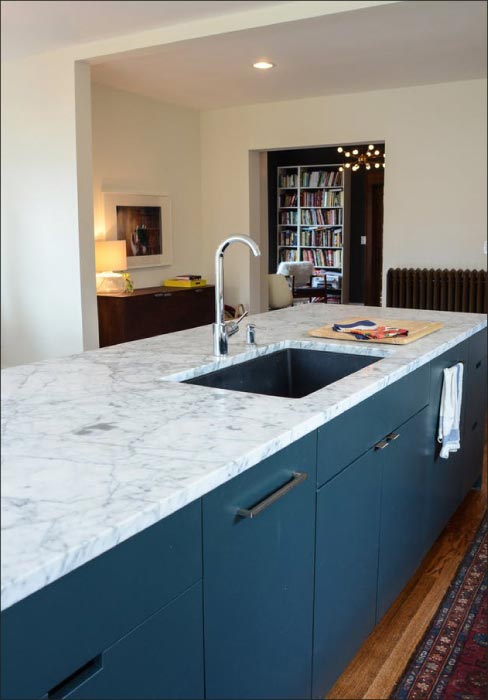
pixel 185 283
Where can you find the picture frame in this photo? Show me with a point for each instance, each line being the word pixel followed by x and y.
pixel 144 221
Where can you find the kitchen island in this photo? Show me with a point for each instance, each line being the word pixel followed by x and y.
pixel 108 459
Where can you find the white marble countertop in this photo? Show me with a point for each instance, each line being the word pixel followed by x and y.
pixel 98 446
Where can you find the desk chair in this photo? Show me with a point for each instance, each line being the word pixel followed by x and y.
pixel 301 274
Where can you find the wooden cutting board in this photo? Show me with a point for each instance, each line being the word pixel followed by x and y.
pixel 416 330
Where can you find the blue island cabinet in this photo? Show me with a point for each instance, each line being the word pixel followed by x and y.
pixel 406 459
pixel 348 519
pixel 258 554
pixel 127 624
pixel 475 416
pixel 445 478
pixel 357 453
pixel 161 658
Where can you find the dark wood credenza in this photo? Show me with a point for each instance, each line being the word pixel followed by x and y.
pixel 152 311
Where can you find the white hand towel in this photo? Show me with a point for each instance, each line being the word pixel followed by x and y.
pixel 450 410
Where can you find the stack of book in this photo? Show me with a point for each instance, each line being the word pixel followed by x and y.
pixel 185 281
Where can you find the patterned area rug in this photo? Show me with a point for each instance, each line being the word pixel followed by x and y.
pixel 450 663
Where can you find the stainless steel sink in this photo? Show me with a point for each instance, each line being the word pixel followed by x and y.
pixel 292 373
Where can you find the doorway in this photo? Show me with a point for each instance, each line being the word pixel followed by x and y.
pixel 373 228
pixel 366 237
pixel 363 218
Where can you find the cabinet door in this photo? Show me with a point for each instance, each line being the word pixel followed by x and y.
pixel 402 541
pixel 445 478
pixel 60 628
pixel 161 658
pixel 475 395
pixel 348 517
pixel 258 579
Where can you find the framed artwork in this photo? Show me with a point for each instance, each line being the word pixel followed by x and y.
pixel 143 221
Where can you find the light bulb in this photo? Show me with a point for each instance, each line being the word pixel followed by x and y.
pixel 340 149
pixel 263 65
pixel 383 165
pixel 371 147
pixel 355 167
pixel 368 153
pixel 341 169
pixel 355 152
pixel 368 167
pixel 376 165
pixel 347 154
pixel 348 165
pixel 376 153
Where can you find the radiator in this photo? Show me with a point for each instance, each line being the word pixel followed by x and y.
pixel 440 290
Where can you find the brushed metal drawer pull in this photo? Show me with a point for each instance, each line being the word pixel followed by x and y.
pixel 80 676
pixel 392 436
pixel 381 445
pixel 298 477
pixel 159 295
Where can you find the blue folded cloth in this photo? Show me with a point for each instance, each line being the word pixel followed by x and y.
pixel 357 325
pixel 360 325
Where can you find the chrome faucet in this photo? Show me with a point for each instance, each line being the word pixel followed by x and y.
pixel 222 330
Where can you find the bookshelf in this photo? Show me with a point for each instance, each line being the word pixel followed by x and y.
pixel 313 222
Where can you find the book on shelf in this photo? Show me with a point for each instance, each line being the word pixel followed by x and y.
pixel 174 282
pixel 288 217
pixel 322 258
pixel 288 180
pixel 322 198
pixel 287 237
pixel 288 200
pixel 321 217
pixel 330 238
pixel 188 277
pixel 321 178
pixel 288 256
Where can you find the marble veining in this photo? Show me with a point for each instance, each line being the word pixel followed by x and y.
pixel 98 446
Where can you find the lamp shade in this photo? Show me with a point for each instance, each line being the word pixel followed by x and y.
pixel 110 256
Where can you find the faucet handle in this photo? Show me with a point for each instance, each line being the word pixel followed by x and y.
pixel 243 315
pixel 233 325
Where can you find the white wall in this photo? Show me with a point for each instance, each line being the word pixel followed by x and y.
pixel 48 287
pixel 46 221
pixel 41 228
pixel 141 145
pixel 435 179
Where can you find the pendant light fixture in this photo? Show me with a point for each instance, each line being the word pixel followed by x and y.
pixel 365 158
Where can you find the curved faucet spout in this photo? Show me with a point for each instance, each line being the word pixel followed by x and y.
pixel 220 332
pixel 237 238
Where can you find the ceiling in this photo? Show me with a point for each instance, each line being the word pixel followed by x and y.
pixel 395 44
pixel 38 26
pixel 391 45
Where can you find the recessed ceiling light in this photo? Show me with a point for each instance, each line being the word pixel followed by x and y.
pixel 263 65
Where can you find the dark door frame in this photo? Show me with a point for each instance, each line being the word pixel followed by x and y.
pixel 373 229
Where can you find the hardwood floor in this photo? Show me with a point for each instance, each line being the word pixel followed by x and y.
pixel 381 660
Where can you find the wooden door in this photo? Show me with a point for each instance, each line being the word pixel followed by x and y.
pixel 373 253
